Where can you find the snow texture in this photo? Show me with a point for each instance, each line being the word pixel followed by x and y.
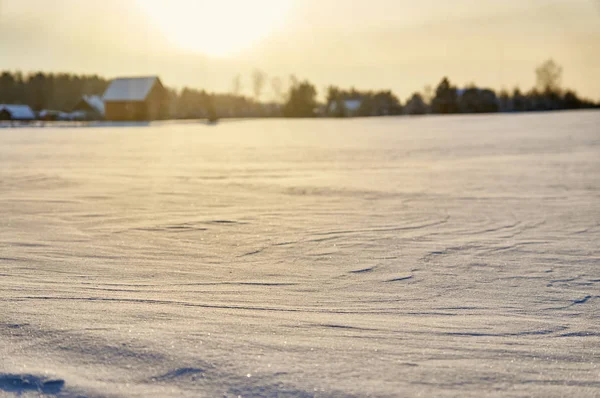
pixel 129 89
pixel 437 256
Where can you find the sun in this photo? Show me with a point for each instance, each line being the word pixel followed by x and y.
pixel 217 28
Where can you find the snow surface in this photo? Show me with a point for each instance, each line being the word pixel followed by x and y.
pixel 437 256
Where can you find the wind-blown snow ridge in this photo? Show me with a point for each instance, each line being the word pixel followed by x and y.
pixel 443 256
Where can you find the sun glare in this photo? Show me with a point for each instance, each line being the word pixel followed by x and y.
pixel 216 28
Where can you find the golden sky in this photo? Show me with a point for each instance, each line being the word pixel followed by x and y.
pixel 398 44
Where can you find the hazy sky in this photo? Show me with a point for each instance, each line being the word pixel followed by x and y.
pixel 398 44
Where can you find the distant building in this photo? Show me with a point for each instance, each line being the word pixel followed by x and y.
pixel 16 112
pixel 135 99
pixel 349 107
pixel 89 107
pixel 50 115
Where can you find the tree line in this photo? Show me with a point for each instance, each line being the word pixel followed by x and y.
pixel 299 98
pixel 59 91
pixel 546 95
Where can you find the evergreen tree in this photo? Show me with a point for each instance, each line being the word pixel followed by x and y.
pixel 415 105
pixel 302 100
pixel 519 102
pixel 446 98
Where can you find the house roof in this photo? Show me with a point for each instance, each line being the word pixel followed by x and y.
pixel 95 102
pixel 49 113
pixel 351 105
pixel 129 89
pixel 18 112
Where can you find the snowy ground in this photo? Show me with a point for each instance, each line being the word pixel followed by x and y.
pixel 438 256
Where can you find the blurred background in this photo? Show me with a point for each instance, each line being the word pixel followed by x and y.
pixel 401 45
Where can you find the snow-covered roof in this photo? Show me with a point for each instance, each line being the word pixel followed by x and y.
pixel 351 105
pixel 19 112
pixel 44 113
pixel 130 89
pixel 95 102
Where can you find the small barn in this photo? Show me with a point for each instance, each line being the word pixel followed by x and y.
pixel 16 112
pixel 89 107
pixel 135 99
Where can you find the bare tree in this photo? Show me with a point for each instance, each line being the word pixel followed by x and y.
pixel 237 87
pixel 427 93
pixel 277 88
pixel 259 78
pixel 549 76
